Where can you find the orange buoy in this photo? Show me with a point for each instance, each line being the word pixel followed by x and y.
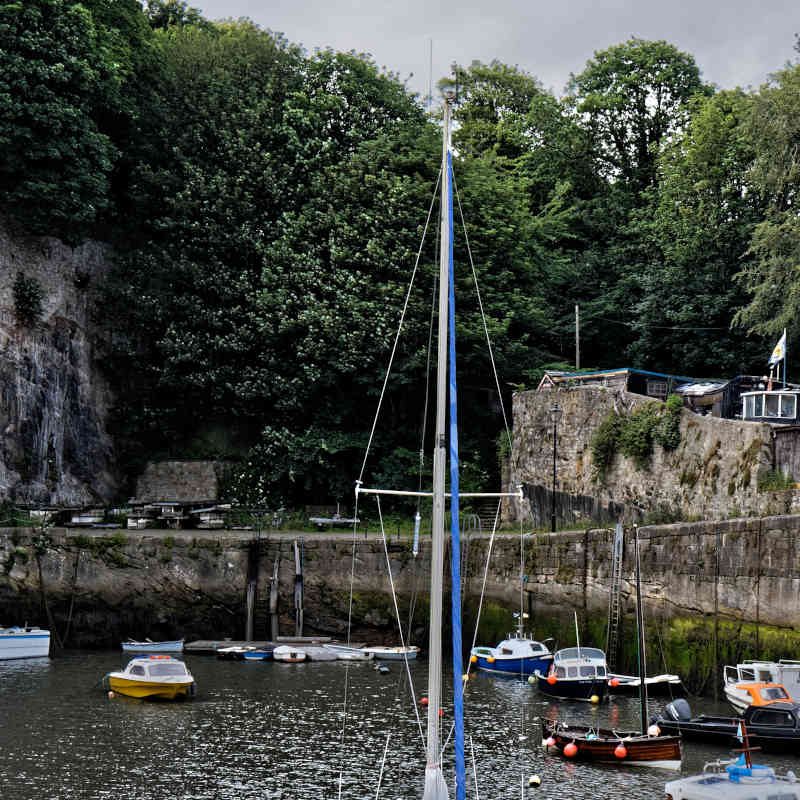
pixel 423 701
pixel 571 750
pixel 614 682
pixel 441 712
pixel 491 659
pixel 552 680
pixel 473 659
pixel 620 751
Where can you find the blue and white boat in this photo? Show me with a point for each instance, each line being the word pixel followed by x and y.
pixel 519 654
pixel 175 646
pixel 577 673
pixel 24 643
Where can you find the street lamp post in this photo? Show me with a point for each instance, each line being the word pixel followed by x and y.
pixel 555 415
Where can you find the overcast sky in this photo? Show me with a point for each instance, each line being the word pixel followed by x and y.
pixel 735 43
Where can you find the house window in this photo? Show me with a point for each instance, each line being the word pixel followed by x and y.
pixel 657 389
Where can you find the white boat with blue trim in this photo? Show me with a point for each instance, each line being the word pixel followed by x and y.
pixel 519 654
pixel 24 642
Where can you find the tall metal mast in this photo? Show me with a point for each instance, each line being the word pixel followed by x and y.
pixel 435 786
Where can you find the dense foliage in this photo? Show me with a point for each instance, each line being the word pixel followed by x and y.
pixel 266 207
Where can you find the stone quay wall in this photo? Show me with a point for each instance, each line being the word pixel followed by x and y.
pixel 96 588
pixel 713 473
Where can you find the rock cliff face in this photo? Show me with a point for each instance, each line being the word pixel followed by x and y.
pixel 712 474
pixel 54 446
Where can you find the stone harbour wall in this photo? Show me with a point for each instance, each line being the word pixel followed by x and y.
pixel 713 473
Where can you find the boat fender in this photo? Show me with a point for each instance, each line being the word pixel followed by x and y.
pixel 491 659
pixel 111 695
pixel 423 701
pixel 620 751
pixel 594 699
pixel 654 730
pixel 549 742
pixel 571 750
pixel 534 781
pixel 473 659
pixel 531 679
pixel 552 680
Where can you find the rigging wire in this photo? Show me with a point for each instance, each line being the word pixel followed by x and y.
pixel 399 622
pixel 483 314
pixel 399 329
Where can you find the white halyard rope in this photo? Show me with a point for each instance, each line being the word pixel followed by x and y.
pixel 399 330
pixel 400 624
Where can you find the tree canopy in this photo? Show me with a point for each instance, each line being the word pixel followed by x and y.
pixel 267 206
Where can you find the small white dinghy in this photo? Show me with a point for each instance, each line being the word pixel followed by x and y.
pixel 408 653
pixel 290 655
pixel 346 653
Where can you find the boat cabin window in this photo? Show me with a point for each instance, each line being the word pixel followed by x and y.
pixel 601 671
pixel 561 672
pixel 769 716
pixel 506 651
pixel 774 693
pixel 538 647
pixel 572 672
pixel 587 672
pixel 137 670
pixel 164 669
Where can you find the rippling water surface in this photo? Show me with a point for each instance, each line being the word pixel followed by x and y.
pixel 265 730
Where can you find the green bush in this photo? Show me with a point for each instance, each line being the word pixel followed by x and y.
pixel 605 442
pixel 635 434
pixel 667 432
pixel 775 481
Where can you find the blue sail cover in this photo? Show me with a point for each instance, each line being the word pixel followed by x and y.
pixel 455 549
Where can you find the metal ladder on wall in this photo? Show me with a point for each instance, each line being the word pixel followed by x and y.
pixel 615 600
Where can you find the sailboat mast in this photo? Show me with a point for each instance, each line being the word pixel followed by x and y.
pixel 640 633
pixel 439 467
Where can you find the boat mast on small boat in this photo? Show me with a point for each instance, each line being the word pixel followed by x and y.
pixel 435 784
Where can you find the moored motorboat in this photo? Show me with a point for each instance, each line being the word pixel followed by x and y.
pixel 519 654
pixel 155 676
pixel 287 654
pixel 785 671
pixel 344 652
pixel 24 642
pixel 234 652
pixel 576 673
pixel 408 653
pixel 585 743
pixel 755 693
pixel 147 646
pixel 774 727
pixel 257 655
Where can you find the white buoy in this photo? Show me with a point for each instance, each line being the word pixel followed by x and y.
pixel 654 730
pixel 534 781
pixel 531 680
pixel 111 695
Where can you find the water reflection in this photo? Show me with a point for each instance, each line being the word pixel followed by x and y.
pixel 265 730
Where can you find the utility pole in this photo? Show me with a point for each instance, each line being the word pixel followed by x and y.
pixel 577 336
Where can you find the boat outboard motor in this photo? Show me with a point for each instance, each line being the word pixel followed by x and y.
pixel 678 710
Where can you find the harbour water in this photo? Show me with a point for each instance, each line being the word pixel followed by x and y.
pixel 266 730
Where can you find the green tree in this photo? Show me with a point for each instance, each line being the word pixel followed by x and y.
pixel 770 275
pixel 630 97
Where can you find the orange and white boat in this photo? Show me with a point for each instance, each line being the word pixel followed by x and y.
pixel 162 677
pixel 755 693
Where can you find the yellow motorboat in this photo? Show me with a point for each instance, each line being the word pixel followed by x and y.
pixel 162 677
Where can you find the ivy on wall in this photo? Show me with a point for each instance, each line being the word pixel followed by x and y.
pixel 634 435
